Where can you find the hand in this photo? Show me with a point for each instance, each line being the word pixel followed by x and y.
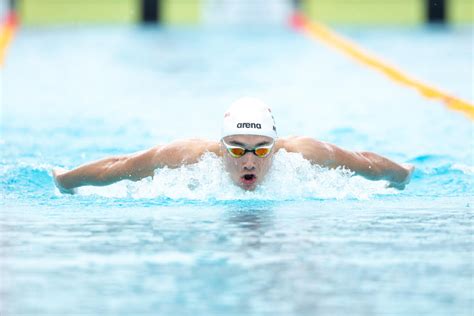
pixel 57 172
pixel 401 185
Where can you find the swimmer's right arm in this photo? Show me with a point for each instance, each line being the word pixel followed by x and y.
pixel 130 167
pixel 107 171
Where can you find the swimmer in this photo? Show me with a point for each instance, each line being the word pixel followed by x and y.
pixel 247 146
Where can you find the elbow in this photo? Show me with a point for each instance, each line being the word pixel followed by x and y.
pixel 125 168
pixel 372 168
pixel 380 168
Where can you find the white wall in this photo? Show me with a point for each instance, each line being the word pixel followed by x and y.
pixel 246 11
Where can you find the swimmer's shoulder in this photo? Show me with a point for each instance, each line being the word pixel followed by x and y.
pixel 303 144
pixel 188 150
pixel 316 151
pixel 203 146
pixel 293 143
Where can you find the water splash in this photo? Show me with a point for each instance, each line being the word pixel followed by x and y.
pixel 291 177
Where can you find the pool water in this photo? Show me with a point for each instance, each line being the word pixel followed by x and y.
pixel 309 241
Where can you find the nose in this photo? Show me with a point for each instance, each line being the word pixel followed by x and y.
pixel 249 163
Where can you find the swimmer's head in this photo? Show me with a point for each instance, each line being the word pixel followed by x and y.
pixel 248 138
pixel 249 116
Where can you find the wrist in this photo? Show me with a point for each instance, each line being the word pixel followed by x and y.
pixel 58 176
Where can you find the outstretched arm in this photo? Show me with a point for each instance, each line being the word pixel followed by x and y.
pixel 369 165
pixel 107 171
pixel 132 167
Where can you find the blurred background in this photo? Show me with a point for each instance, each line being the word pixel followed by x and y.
pixel 105 68
pixel 406 12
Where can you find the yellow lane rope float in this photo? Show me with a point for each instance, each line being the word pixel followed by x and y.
pixel 329 37
pixel 6 34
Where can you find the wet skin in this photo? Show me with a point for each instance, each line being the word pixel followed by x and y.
pixel 249 170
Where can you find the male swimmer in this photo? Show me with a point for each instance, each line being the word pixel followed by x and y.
pixel 247 146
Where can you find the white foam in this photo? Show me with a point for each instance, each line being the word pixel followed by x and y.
pixel 291 178
pixel 468 170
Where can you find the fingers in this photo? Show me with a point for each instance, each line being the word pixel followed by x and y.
pixel 410 168
pixel 398 186
pixel 401 185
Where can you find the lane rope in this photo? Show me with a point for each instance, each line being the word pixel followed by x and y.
pixel 331 38
pixel 7 32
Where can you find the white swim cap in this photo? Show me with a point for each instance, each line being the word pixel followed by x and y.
pixel 249 116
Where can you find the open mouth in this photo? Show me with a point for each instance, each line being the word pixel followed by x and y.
pixel 248 179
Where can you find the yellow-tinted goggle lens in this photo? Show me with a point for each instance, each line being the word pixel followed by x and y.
pixel 237 152
pixel 262 151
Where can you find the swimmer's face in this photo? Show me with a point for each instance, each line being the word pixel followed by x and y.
pixel 249 170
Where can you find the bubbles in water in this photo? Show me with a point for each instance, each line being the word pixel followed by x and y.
pixel 291 177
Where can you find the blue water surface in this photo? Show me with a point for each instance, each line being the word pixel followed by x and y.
pixel 308 242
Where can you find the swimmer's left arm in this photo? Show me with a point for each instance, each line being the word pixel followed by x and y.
pixel 366 164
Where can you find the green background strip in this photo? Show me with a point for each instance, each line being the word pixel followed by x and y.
pixel 78 11
pixel 366 11
pixel 182 11
pixel 378 12
pixel 460 11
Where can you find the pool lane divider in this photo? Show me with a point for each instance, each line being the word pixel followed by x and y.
pixel 331 38
pixel 7 32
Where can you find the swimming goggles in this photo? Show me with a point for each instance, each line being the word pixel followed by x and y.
pixel 237 151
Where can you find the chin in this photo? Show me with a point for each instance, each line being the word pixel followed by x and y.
pixel 249 188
